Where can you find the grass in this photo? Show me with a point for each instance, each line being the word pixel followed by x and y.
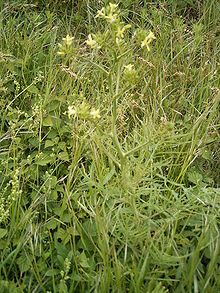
pixel 109 152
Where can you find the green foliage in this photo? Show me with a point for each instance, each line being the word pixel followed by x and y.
pixel 109 137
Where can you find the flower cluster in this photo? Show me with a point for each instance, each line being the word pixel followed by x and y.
pixel 129 67
pixel 91 42
pixel 120 32
pixel 130 74
pixel 65 47
pixel 83 111
pixel 64 273
pixel 113 41
pixel 144 38
pixel 9 195
pixel 110 13
pixel 148 39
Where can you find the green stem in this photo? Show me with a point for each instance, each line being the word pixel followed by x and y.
pixel 114 119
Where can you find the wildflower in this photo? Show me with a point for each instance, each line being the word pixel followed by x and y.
pixel 68 40
pixel 95 113
pixel 108 13
pixel 91 42
pixel 111 17
pixel 113 6
pixel 130 74
pixel 100 13
pixel 71 111
pixel 82 111
pixel 61 51
pixel 129 67
pixel 149 38
pixel 120 31
pixel 65 47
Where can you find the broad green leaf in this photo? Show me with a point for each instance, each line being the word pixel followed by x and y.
pixel 3 244
pixel 63 156
pixel 52 272
pixel 66 218
pixel 34 141
pixel 48 121
pixel 53 105
pixel 33 89
pixel 63 287
pixel 90 228
pixel 83 260
pixel 63 235
pixel 53 181
pixel 52 224
pixel 43 159
pixel 24 263
pixel 62 145
pixel 194 177
pixel 61 259
pixel 61 249
pixel 53 134
pixel 53 195
pixel 49 143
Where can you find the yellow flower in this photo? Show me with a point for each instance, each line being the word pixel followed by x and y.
pixel 100 13
pixel 91 42
pixel 149 38
pixel 113 6
pixel 120 31
pixel 108 13
pixel 68 40
pixel 60 53
pixel 111 17
pixel 129 67
pixel 71 111
pixel 95 113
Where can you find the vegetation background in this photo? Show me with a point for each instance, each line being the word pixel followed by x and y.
pixel 109 151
